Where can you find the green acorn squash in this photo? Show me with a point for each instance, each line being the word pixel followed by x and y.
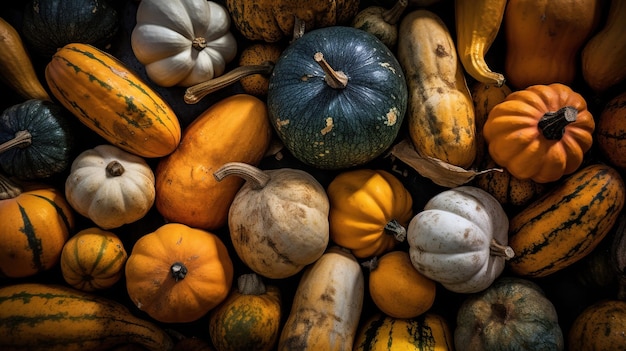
pixel 337 97
pixel 35 139
pixel 51 24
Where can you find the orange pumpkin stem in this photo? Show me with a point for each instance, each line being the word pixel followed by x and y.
pixel 497 249
pixel 195 93
pixel 257 178
pixel 393 227
pixel 114 169
pixel 552 124
pixel 335 79
pixel 179 271
pixel 8 189
pixel 22 139
pixel 392 15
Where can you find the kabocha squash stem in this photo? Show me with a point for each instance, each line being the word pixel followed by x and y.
pixel 335 79
pixel 552 124
pixel 393 227
pixel 8 189
pixel 195 93
pixel 257 177
pixel 23 138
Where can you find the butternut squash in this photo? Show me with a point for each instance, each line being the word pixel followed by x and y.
pixel 16 67
pixel 440 112
pixel 477 25
pixel 235 129
pixel 603 56
pixel 327 305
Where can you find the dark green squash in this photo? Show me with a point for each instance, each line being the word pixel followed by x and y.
pixel 48 25
pixel 512 314
pixel 343 126
pixel 35 139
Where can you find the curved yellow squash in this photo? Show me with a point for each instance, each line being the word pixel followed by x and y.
pixel 112 101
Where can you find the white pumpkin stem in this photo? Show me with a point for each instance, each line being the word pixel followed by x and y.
pixel 392 15
pixel 22 139
pixel 195 93
pixel 497 249
pixel 8 188
pixel 335 79
pixel 254 175
pixel 251 284
pixel 393 227
pixel 198 43
pixel 114 169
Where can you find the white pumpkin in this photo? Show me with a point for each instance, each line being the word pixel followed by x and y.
pixel 460 239
pixel 278 220
pixel 183 42
pixel 110 186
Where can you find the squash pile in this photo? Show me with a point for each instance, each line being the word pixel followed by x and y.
pixel 336 175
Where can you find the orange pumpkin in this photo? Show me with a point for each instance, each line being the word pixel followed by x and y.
pixel 35 223
pixel 177 274
pixel 540 133
pixel 369 211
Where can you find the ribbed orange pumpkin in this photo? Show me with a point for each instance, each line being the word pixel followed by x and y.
pixel 369 211
pixel 177 274
pixel 35 223
pixel 540 133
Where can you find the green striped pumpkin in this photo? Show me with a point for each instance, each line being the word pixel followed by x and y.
pixel 93 259
pixel 567 222
pixel 36 221
pixel 111 100
pixel 37 316
pixel 427 332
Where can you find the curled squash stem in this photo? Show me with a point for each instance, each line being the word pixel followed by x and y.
pixel 393 227
pixel 497 249
pixel 335 79
pixel 114 169
pixel 8 189
pixel 195 93
pixel 257 178
pixel 392 15
pixel 22 139
pixel 552 124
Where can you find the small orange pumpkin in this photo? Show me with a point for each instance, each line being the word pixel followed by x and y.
pixel 177 274
pixel 540 133
pixel 369 211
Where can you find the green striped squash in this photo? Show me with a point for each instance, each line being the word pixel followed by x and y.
pixel 427 332
pixel 93 259
pixel 35 223
pixel 37 316
pixel 567 222
pixel 111 100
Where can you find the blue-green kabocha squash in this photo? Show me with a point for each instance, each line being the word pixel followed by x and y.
pixel 35 139
pixel 337 123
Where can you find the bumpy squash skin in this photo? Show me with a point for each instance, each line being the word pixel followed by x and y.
pixel 327 305
pixel 440 112
pixel 35 226
pixel 600 326
pixel 112 101
pixel 544 38
pixel 567 222
pixel 484 98
pixel 247 321
pixel 235 129
pixel 610 131
pixel 256 54
pixel 383 333
pixel 604 54
pixel 58 318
